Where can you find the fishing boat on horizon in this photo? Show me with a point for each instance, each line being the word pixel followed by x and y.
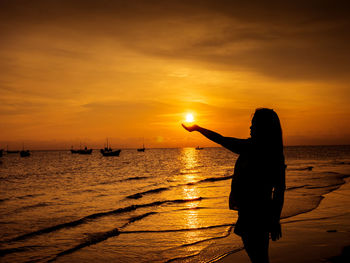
pixel 8 151
pixel 111 153
pixel 81 151
pixel 141 149
pixel 85 151
pixel 72 150
pixel 107 148
pixel 199 148
pixel 108 151
pixel 24 153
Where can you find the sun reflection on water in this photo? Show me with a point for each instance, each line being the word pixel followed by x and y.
pixel 190 219
pixel 190 164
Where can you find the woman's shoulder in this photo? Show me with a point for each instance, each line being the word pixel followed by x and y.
pixel 236 145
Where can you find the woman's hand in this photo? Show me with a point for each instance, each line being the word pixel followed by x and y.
pixel 276 231
pixel 190 128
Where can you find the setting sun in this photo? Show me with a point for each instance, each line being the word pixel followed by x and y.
pixel 189 117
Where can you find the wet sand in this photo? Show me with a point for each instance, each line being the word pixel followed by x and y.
pixel 317 236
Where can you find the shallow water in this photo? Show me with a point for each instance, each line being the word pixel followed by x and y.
pixel 157 206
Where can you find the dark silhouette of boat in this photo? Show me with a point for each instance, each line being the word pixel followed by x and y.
pixel 9 152
pixel 85 151
pixel 81 151
pixel 1 153
pixel 74 151
pixel 141 149
pixel 108 151
pixel 199 148
pixel 111 153
pixel 24 153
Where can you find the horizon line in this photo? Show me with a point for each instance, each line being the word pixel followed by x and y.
pixel 135 148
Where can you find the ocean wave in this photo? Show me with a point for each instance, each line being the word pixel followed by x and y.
pixel 139 195
pixel 184 258
pixel 297 187
pixel 20 197
pixel 214 179
pixel 100 237
pixel 307 168
pixel 24 208
pixel 161 189
pixel 85 219
pixel 193 208
pixel 4 200
pixel 91 241
pixel 337 185
pixel 84 191
pixel 4 252
pixel 342 163
pixel 28 196
pixel 181 259
pixel 134 178
pixel 189 172
pixel 176 230
pixel 221 256
pixel 313 219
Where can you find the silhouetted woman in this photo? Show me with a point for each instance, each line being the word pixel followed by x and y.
pixel 258 184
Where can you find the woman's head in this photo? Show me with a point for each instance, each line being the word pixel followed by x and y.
pixel 266 128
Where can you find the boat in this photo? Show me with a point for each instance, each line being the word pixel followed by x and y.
pixel 111 153
pixel 199 148
pixel 141 149
pixel 7 150
pixel 108 151
pixel 81 151
pixel 24 153
pixel 85 151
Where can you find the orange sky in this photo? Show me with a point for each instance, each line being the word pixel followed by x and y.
pixel 81 71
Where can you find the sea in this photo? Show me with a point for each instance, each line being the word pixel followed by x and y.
pixel 161 205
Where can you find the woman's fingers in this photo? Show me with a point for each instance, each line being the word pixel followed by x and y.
pixel 185 127
pixel 276 232
pixel 189 128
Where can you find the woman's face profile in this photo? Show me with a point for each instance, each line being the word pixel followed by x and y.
pixel 252 130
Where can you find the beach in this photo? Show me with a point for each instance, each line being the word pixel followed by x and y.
pixel 316 236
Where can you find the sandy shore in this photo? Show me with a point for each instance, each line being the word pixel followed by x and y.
pixel 316 236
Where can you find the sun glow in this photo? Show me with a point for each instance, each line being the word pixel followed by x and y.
pixel 189 117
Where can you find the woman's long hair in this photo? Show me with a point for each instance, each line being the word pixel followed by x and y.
pixel 268 131
pixel 269 144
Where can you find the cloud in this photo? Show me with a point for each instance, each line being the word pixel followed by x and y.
pixel 286 40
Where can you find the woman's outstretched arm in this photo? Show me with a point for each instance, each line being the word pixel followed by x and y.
pixel 232 144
